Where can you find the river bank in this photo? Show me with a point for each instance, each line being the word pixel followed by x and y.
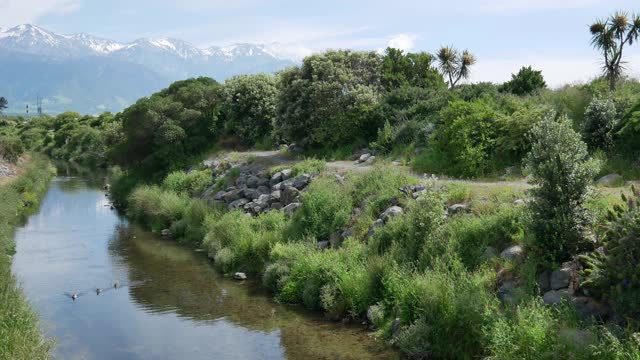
pixel 169 301
pixel 20 195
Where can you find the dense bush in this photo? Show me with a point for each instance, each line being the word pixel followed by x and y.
pixel 466 139
pixel 613 272
pixel 630 132
pixel 326 207
pixel 193 183
pixel 249 107
pixel 562 171
pixel 513 144
pixel 527 81
pixel 11 148
pixel 599 123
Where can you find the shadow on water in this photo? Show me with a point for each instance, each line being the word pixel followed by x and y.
pixel 169 302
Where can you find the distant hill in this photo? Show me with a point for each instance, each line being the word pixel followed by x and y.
pixel 88 74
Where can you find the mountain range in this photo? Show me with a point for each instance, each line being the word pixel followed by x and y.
pixel 90 74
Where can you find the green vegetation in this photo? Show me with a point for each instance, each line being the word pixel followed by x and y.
pixel 20 337
pixel 526 82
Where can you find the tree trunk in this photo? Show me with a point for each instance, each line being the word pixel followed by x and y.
pixel 612 83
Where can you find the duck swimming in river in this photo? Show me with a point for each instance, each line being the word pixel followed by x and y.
pixel 98 291
pixel 74 296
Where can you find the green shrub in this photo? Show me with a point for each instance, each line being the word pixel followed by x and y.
pixel 414 235
pixel 326 207
pixel 514 144
pixel 467 138
pixel 599 123
pixel 526 82
pixel 193 183
pixel 11 148
pixel 444 304
pixel 562 171
pixel 614 272
pixel 157 208
pixel 308 166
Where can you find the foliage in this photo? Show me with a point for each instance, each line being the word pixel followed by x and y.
pixel 613 271
pixel 466 138
pixel 610 36
pixel 513 144
pixel 562 171
pixel 328 101
pixel 192 183
pixel 3 103
pixel 325 209
pixel 163 132
pixel 409 70
pixel 526 82
pixel 630 131
pixel 20 336
pixel 455 65
pixel 11 148
pixel 249 107
pixel 599 123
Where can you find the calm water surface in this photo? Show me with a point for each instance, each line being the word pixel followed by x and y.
pixel 170 302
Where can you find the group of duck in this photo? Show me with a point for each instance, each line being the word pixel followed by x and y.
pixel 98 291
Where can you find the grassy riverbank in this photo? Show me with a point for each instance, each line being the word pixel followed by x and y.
pixel 20 337
pixel 421 280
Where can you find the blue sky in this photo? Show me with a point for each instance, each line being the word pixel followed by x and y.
pixel 551 35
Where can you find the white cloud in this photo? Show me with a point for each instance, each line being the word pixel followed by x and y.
pixel 404 42
pixel 14 12
pixel 511 6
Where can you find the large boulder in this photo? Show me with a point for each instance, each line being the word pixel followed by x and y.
pixel 458 209
pixel 544 281
pixel 237 204
pixel 363 158
pixel 231 196
pixel 514 252
pixel 610 180
pixel 301 181
pixel 554 297
pixel 561 278
pixel 372 229
pixel 264 189
pixel 391 213
pixel 291 208
pixel 253 182
pixel 250 194
pixel 289 195
pixel 240 276
pixel 370 160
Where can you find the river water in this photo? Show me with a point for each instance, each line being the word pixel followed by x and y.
pixel 169 302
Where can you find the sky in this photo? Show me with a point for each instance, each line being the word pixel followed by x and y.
pixel 550 35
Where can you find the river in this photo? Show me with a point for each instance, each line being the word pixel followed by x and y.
pixel 168 302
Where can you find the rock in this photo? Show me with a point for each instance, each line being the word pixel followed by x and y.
pixel 238 204
pixel 276 178
pixel 609 180
pixel 458 208
pixel 507 292
pixel 253 181
pixel 240 276
pixel 241 181
pixel 489 253
pixel 587 308
pixel 286 174
pixel 390 213
pixel 289 195
pixel 165 232
pixel 231 196
pixel 339 178
pixel 323 244
pixel 250 194
pixel 266 199
pixel 519 202
pixel 514 252
pixel 560 278
pixel 207 164
pixel 276 194
pixel 364 157
pixel 291 208
pixel 370 160
pixel 300 181
pixel 263 189
pixel 395 327
pixel 544 281
pixel 553 297
pixel 396 163
pixel 276 206
pixel 372 229
pixel 579 338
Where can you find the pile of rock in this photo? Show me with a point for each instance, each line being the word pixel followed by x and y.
pixel 386 215
pixel 255 192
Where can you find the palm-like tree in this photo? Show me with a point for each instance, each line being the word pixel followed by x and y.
pixel 455 65
pixel 610 37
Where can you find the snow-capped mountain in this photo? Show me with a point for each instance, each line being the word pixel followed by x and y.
pixel 23 46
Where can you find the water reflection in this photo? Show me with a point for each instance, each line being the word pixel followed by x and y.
pixel 169 303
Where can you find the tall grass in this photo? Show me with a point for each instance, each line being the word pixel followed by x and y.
pixel 20 337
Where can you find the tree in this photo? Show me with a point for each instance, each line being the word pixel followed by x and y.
pixel 455 65
pixel 3 103
pixel 249 107
pixel 599 123
pixel 330 99
pixel 526 82
pixel 562 170
pixel 610 37
pixel 412 69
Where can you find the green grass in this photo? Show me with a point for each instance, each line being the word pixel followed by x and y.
pixel 20 337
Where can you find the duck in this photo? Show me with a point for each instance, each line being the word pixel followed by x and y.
pixel 98 291
pixel 74 296
pixel 115 285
